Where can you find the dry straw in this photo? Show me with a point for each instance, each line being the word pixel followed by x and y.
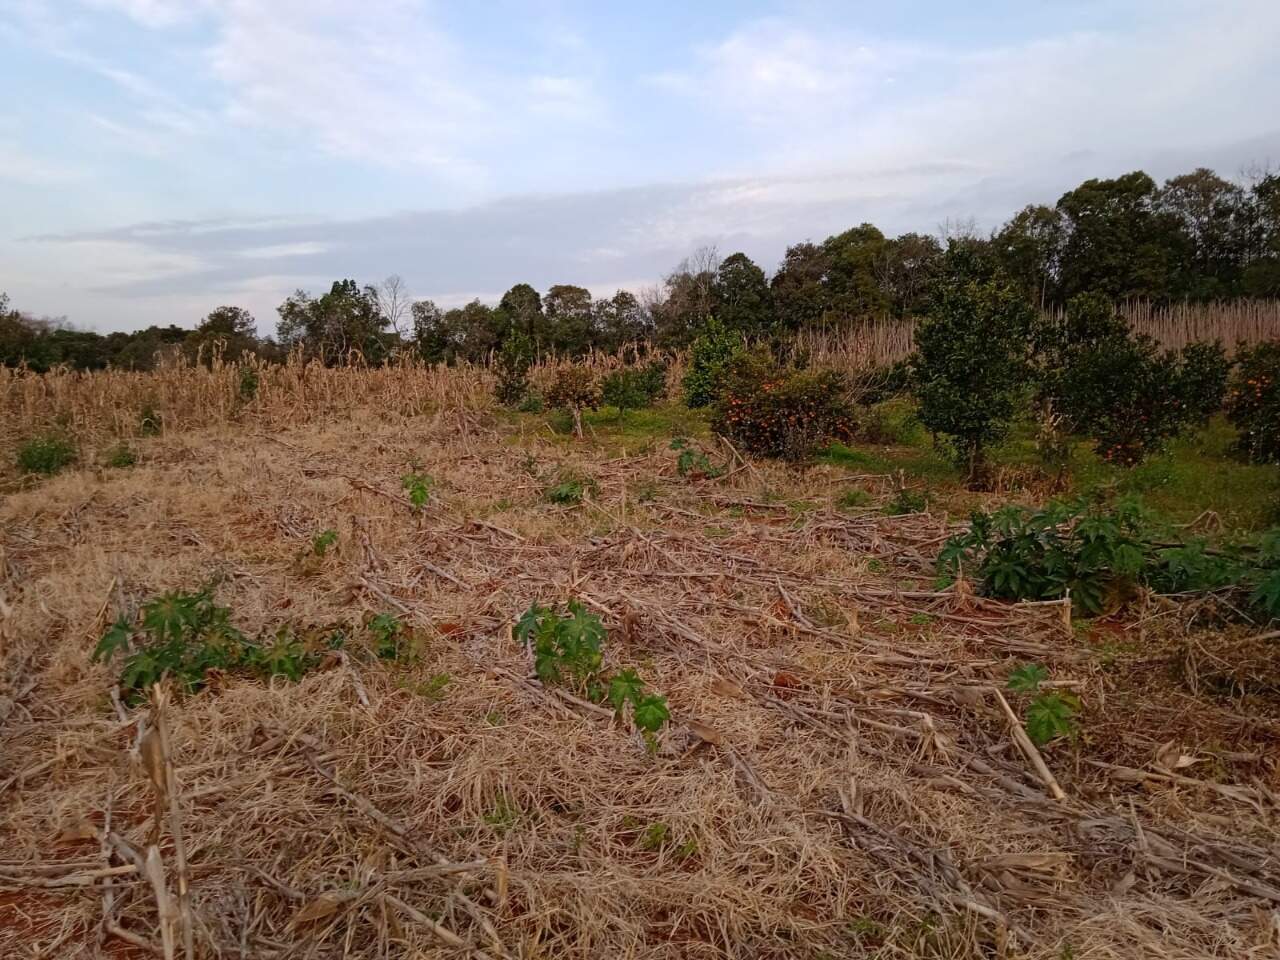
pixel 840 778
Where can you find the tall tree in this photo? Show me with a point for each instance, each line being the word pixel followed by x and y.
pixel 1212 213
pixel 744 303
pixel 431 338
pixel 1116 243
pixel 569 319
pixel 477 329
pixel 689 298
pixel 905 270
pixel 332 327
pixel 1261 276
pixel 853 288
pixel 231 330
pixel 520 309
pixel 1029 250
pixel 620 320
pixel 800 295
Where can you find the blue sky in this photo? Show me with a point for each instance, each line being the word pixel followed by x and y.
pixel 161 157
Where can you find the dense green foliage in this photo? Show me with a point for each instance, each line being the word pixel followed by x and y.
pixel 338 326
pixel 709 358
pixel 1253 403
pixel 971 361
pixel 633 388
pixel 512 369
pixel 773 410
pixel 48 454
pixel 1121 391
pixel 1099 554
pixel 120 456
pixel 187 636
pixel 1050 714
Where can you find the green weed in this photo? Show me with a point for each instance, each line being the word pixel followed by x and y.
pixel 568 648
pixel 187 636
pixel 120 456
pixel 418 488
pixel 1049 714
pixel 322 541
pixel 48 455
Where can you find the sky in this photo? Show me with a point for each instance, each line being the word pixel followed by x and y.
pixel 159 158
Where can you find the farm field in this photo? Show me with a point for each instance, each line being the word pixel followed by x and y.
pixel 843 771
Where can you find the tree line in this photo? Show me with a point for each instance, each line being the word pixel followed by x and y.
pixel 1195 237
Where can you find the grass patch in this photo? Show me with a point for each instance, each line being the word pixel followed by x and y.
pixel 47 455
pixel 120 456
pixel 853 498
pixel 1195 473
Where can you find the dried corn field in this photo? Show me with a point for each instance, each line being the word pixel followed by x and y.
pixel 878 342
pixel 841 777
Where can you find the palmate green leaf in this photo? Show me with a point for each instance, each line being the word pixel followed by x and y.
pixel 650 713
pixel 140 671
pixel 173 615
pixel 116 638
pixel 1051 715
pixel 418 486
pixel 528 622
pixel 625 686
pixel 1027 678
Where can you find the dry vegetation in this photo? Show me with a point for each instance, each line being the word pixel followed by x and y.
pixel 882 342
pixel 841 776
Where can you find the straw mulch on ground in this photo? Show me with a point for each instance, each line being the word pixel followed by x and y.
pixel 841 776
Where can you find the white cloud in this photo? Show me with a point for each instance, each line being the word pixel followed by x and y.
pixel 386 88
pixel 155 14
pixel 835 98
pixel 779 76
pixel 20 166
pixel 276 251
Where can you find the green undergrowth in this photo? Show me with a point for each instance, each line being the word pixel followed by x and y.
pixel 1197 475
pixel 188 638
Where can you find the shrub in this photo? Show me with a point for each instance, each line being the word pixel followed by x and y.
pixel 709 358
pixel 693 462
pixel 322 541
pixel 1098 555
pixel 633 388
pixel 568 648
pixel 1253 402
pixel 187 636
pixel 1202 380
pixel 417 486
pixel 573 389
pixel 1050 714
pixel 48 454
pixel 853 498
pixel 512 368
pixel 906 501
pixel 970 365
pixel 777 411
pixel 1090 553
pixel 248 384
pixel 392 640
pixel 1118 390
pixel 121 455
pixel 569 489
